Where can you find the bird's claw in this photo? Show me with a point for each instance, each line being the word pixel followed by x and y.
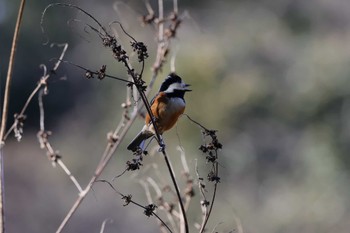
pixel 161 147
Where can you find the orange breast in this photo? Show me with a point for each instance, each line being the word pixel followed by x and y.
pixel 166 111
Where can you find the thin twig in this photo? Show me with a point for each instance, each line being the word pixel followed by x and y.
pixel 5 111
pixel 129 200
pixel 41 110
pixel 155 186
pixel 69 6
pixel 147 191
pixel 197 123
pixel 95 72
pixel 182 208
pixel 204 203
pixel 212 200
pixel 183 159
pixel 41 83
pixel 46 144
pixel 173 60
pixel 66 170
pixel 167 211
pixel 112 148
pixel 214 228
pixel 104 224
pixel 189 193
pixel 9 76
pixel 176 9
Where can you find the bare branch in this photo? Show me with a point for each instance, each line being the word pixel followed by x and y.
pixel 41 83
pixel 70 6
pixel 104 224
pixel 8 83
pixel 149 211
pixel 90 74
pixel 45 144
pixel 6 102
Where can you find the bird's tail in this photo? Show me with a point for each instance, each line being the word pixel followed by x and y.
pixel 136 142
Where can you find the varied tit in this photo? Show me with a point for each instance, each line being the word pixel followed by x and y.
pixel 166 107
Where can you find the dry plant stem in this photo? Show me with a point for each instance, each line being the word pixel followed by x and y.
pixel 161 44
pixel 5 111
pixel 216 169
pixel 48 146
pixel 129 200
pixel 99 169
pixel 184 222
pixel 186 173
pixel 31 96
pixel 147 191
pixel 212 201
pixel 200 187
pixel 172 61
pixel 98 172
pixel 150 201
pixel 176 9
pixel 162 222
pixel 40 84
pixel 2 224
pixel 9 72
pixel 69 174
pixel 104 224
pixel 124 127
pixel 157 189
pixel 155 186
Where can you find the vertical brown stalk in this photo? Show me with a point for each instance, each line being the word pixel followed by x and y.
pixel 5 109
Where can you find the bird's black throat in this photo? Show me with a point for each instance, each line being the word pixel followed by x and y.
pixel 176 93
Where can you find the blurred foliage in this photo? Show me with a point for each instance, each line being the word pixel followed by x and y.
pixel 271 76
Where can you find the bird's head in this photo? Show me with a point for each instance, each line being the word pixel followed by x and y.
pixel 174 83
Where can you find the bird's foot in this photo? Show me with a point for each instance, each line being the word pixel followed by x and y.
pixel 161 147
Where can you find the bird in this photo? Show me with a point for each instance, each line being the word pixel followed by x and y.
pixel 167 106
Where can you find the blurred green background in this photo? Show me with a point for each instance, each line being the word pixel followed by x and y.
pixel 272 76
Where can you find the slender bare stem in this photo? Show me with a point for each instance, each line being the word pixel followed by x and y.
pixel 45 144
pixel 182 208
pixel 66 170
pixel 2 192
pixel 9 72
pixel 40 84
pixel 5 110
pixel 147 191
pixel 176 9
pixel 103 163
pixel 104 224
pixel 212 200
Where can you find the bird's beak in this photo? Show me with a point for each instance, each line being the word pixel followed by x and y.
pixel 187 85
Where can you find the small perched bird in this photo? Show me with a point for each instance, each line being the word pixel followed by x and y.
pixel 166 107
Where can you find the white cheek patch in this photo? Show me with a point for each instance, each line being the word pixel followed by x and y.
pixel 174 86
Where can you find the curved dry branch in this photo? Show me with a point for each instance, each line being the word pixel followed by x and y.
pixel 69 6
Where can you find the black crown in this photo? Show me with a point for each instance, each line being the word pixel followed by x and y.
pixel 172 78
